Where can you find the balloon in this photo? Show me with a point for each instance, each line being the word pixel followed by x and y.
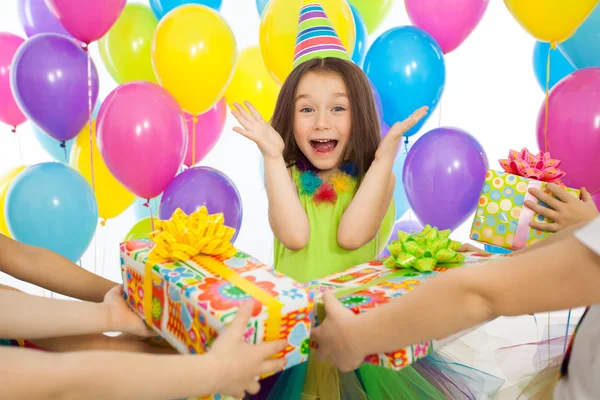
pixel 559 66
pixel 573 134
pixel 551 21
pixel 125 49
pixel 378 104
pixel 87 20
pixel 278 40
pixel 194 56
pixel 402 226
pixel 261 5
pixel 51 205
pixel 443 175
pixel 162 7
pixel 583 48
pixel 142 137
pixel 5 181
pixel 407 67
pixel 203 186
pixel 111 196
pixel 400 198
pixel 35 17
pixel 50 82
pixel 362 36
pixel 10 113
pixel 372 11
pixel 140 230
pixel 141 211
pixel 449 22
pixel 208 130
pixel 496 250
pixel 253 82
pixel 597 201
pixel 52 146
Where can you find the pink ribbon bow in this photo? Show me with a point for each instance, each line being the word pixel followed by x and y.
pixel 540 167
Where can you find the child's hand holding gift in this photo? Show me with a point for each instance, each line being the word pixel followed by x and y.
pixel 121 318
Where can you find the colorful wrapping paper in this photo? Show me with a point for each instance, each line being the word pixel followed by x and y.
pixel 190 300
pixel 369 285
pixel 501 218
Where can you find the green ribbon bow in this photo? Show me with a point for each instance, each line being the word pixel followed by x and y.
pixel 423 251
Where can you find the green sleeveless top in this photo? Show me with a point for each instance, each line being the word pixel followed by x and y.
pixel 325 206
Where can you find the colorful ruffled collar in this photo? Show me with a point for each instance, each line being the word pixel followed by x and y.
pixel 310 184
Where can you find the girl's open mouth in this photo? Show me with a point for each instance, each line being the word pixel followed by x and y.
pixel 323 146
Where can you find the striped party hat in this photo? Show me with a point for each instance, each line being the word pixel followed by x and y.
pixel 316 36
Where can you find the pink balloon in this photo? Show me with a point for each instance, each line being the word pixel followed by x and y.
pixel 573 134
pixel 597 200
pixel 450 22
pixel 87 20
pixel 209 128
pixel 142 137
pixel 10 113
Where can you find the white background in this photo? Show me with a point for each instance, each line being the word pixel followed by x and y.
pixel 490 92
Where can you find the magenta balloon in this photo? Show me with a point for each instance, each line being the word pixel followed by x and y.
pixel 444 173
pixel 209 128
pixel 404 226
pixel 573 134
pixel 10 113
pixel 203 186
pixel 36 17
pixel 49 80
pixel 142 137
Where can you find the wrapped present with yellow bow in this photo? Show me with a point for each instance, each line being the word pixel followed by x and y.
pixel 187 282
pixel 414 259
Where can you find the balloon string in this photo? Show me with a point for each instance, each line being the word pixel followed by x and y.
pixel 89 81
pixel 194 121
pixel 440 115
pixel 103 252
pixel 147 204
pixel 547 99
pixel 19 146
pixel 567 331
pixel 405 146
pixel 64 147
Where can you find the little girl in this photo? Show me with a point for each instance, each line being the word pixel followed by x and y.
pixel 329 184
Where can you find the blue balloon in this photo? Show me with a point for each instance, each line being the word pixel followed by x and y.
pixel 161 7
pixel 407 67
pixel 261 5
pixel 360 45
pixel 496 250
pixel 141 211
pixel 51 205
pixel 559 66
pixel 400 199
pixel 583 48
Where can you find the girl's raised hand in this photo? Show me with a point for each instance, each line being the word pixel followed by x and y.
pixel 389 144
pixel 258 130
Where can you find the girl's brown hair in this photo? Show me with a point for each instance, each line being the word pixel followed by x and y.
pixel 365 129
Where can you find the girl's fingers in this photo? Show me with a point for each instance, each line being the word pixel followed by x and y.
pixel 244 132
pixel 243 111
pixel 253 111
pixel 541 210
pixel 546 227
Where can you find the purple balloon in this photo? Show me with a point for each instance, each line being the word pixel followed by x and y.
pixel 404 226
pixel 203 186
pixel 378 104
pixel 49 79
pixel 36 17
pixel 443 175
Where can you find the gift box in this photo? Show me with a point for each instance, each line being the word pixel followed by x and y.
pixel 501 218
pixel 415 258
pixel 187 282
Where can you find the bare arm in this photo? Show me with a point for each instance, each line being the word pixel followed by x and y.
pixel 464 298
pixel 51 271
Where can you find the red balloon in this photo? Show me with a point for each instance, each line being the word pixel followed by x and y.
pixel 573 132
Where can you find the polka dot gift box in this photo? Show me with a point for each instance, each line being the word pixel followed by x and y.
pixel 501 218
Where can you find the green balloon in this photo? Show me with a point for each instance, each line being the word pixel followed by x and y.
pixel 373 12
pixel 141 230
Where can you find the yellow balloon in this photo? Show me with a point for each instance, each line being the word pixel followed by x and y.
pixel 253 82
pixel 552 21
pixel 5 181
pixel 194 54
pixel 112 197
pixel 125 49
pixel 279 28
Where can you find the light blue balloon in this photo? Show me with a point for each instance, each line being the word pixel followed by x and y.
pixel 582 49
pixel 559 66
pixel 52 146
pixel 400 198
pixel 261 5
pixel 162 7
pixel 407 67
pixel 360 45
pixel 141 211
pixel 496 250
pixel 51 205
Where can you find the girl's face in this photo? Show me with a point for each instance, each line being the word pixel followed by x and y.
pixel 322 119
